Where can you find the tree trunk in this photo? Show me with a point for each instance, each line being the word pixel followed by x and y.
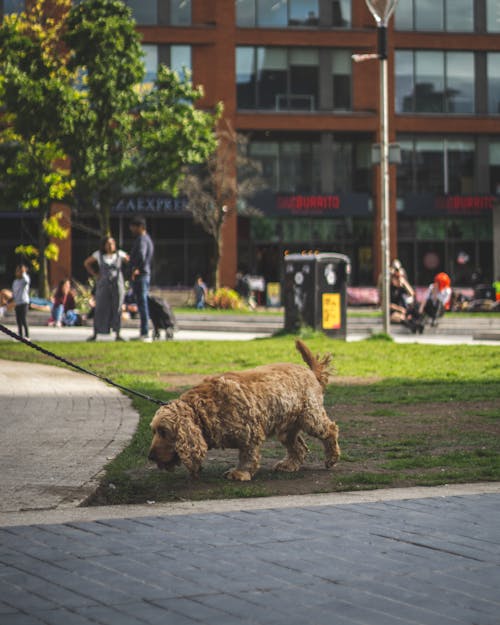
pixel 103 214
pixel 216 256
pixel 43 274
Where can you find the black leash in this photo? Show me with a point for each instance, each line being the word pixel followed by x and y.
pixel 77 367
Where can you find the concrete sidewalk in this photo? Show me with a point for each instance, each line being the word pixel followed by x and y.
pixel 59 429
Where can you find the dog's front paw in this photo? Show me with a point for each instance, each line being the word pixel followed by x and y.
pixel 287 465
pixel 331 462
pixel 237 475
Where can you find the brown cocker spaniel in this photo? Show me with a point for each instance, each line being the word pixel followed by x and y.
pixel 240 410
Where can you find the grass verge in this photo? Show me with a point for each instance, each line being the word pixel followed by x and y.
pixel 408 414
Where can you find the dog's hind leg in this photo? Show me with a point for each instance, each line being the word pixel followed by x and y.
pixel 297 450
pixel 328 433
pixel 248 463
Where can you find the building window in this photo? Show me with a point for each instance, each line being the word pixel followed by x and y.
pixel 437 165
pixel 435 15
pixel 341 17
pixel 144 11
pixel 297 165
pixel 163 12
pixel 289 166
pixel 12 6
pixel 288 79
pixel 493 16
pixel 429 81
pixel 341 79
pixel 176 57
pixel 352 166
pixel 180 12
pixel 494 162
pixel 493 82
pixel 290 13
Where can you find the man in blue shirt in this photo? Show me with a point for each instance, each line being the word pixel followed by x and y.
pixel 141 257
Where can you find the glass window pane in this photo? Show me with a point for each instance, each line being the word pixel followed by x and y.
pixel 180 59
pixel 272 77
pixel 493 16
pixel 304 13
pixel 150 63
pixel 460 155
pixel 267 153
pixel 429 15
pixel 296 167
pixel 245 12
pixel 405 88
pixel 495 167
pixel 341 13
pixel 341 79
pixel 245 77
pixel 13 6
pixel 429 87
pixel 180 12
pixel 460 15
pixel 304 78
pixel 493 70
pixel 429 161
pixel 403 16
pixel 405 171
pixel 144 11
pixel 272 13
pixel 494 149
pixel 460 82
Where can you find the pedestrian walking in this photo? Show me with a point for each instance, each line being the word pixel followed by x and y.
pixel 141 257
pixel 105 265
pixel 21 297
pixel 200 293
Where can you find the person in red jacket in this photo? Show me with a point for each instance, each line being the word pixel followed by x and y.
pixel 438 298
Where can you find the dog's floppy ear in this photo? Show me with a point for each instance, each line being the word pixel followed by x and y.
pixel 190 445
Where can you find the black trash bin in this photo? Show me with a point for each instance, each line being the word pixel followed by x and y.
pixel 315 292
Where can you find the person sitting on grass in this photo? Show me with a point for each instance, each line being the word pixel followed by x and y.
pixel 438 298
pixel 401 296
pixel 63 306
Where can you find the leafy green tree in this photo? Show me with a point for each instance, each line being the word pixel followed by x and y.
pixel 33 84
pixel 116 134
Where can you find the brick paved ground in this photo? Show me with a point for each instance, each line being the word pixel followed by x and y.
pixel 431 561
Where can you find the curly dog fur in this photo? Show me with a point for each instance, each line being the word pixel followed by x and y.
pixel 240 410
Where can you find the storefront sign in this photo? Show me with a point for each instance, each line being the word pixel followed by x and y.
pixel 150 205
pixel 309 205
pixel 435 205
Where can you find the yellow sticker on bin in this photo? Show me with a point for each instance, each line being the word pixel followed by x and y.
pixel 332 316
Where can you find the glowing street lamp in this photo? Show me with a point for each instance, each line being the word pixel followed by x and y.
pixel 382 11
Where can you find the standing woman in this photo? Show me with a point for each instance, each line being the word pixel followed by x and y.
pixel 105 265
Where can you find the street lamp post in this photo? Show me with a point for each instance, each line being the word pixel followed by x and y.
pixel 382 11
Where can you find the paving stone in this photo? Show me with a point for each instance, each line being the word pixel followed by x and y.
pixel 390 563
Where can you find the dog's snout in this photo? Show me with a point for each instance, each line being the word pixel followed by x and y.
pixel 152 455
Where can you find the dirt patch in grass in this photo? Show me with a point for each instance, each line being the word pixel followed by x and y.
pixel 383 445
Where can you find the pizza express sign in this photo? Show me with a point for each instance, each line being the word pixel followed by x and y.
pixel 151 205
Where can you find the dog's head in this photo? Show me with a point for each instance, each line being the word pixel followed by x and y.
pixel 177 438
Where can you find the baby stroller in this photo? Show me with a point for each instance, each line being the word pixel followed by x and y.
pixel 162 317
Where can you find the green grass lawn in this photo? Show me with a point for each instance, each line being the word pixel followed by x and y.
pixel 408 414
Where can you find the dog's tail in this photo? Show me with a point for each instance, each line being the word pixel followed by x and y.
pixel 319 365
